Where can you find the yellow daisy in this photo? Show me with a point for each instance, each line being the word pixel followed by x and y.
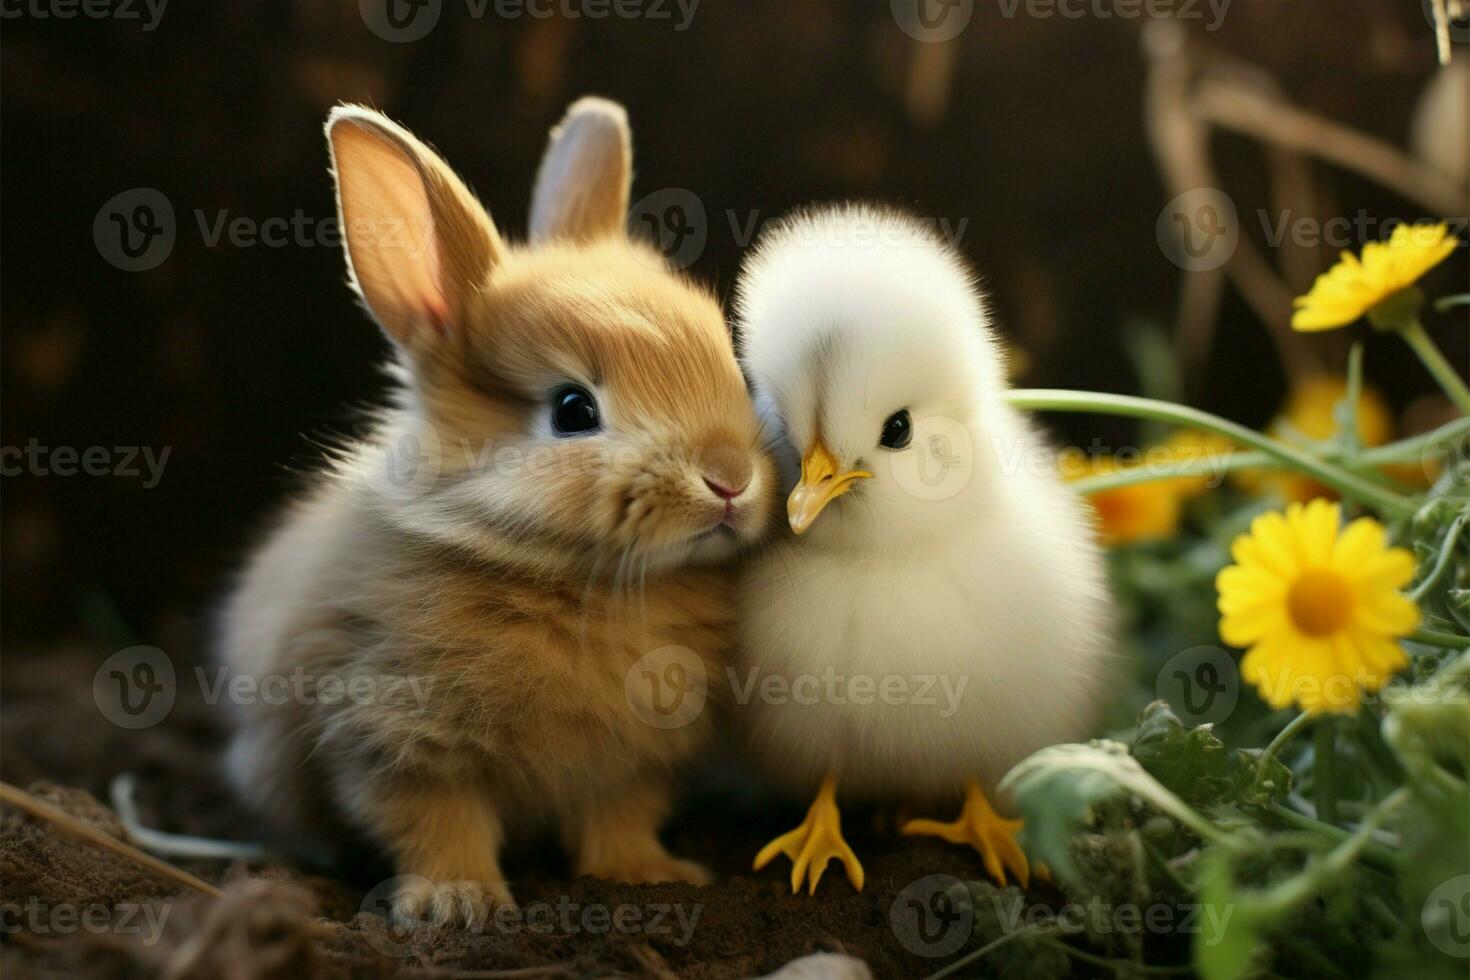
pixel 1131 514
pixel 1195 446
pixel 1318 610
pixel 1310 414
pixel 1352 288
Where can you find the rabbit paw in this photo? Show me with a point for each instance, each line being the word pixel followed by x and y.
pixel 419 901
pixel 654 868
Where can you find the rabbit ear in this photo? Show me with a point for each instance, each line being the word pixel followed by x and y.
pixel 418 243
pixel 586 175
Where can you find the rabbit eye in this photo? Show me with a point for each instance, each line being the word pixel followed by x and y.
pixel 574 411
pixel 898 430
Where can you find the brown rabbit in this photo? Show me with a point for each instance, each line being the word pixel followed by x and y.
pixel 464 593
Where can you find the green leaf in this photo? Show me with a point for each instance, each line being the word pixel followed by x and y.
pixel 1257 780
pixel 1229 936
pixel 1191 762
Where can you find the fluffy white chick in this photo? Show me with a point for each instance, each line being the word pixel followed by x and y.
pixel 943 613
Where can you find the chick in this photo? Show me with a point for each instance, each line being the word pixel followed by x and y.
pixel 945 611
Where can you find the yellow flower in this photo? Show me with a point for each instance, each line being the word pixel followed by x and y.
pixel 1193 446
pixel 1319 611
pixel 1126 515
pixel 1352 288
pixel 1310 414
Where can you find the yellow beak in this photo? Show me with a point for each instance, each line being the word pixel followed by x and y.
pixel 820 485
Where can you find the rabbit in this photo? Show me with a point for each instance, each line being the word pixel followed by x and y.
pixel 568 462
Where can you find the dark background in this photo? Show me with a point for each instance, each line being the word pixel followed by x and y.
pixel 242 360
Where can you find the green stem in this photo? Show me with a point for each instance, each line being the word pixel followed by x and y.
pixel 1442 563
pixel 1345 482
pixel 1433 358
pixel 1378 854
pixel 1405 450
pixel 1123 967
pixel 1284 897
pixel 983 951
pixel 1324 769
pixel 1286 734
pixel 1437 638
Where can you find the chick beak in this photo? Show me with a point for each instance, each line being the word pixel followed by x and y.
pixel 821 483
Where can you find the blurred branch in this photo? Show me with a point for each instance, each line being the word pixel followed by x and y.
pixel 1444 12
pixel 1285 125
pixel 1180 140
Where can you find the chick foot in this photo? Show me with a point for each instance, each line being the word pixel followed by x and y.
pixel 986 831
pixel 816 842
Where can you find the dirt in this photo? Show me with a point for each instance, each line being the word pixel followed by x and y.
pixel 73 909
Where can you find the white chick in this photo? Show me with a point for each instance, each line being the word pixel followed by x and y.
pixel 947 615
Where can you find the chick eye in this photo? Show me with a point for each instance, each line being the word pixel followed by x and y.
pixel 574 411
pixel 898 431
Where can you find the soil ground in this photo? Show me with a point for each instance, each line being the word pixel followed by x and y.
pixel 74 910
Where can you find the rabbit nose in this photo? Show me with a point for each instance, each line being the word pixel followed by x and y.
pixel 726 470
pixel 722 491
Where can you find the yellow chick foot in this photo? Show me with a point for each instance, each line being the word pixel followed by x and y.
pixel 817 841
pixel 986 831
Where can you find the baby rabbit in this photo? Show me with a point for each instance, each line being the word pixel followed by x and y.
pixel 456 594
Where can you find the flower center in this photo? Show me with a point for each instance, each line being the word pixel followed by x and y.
pixel 1320 602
